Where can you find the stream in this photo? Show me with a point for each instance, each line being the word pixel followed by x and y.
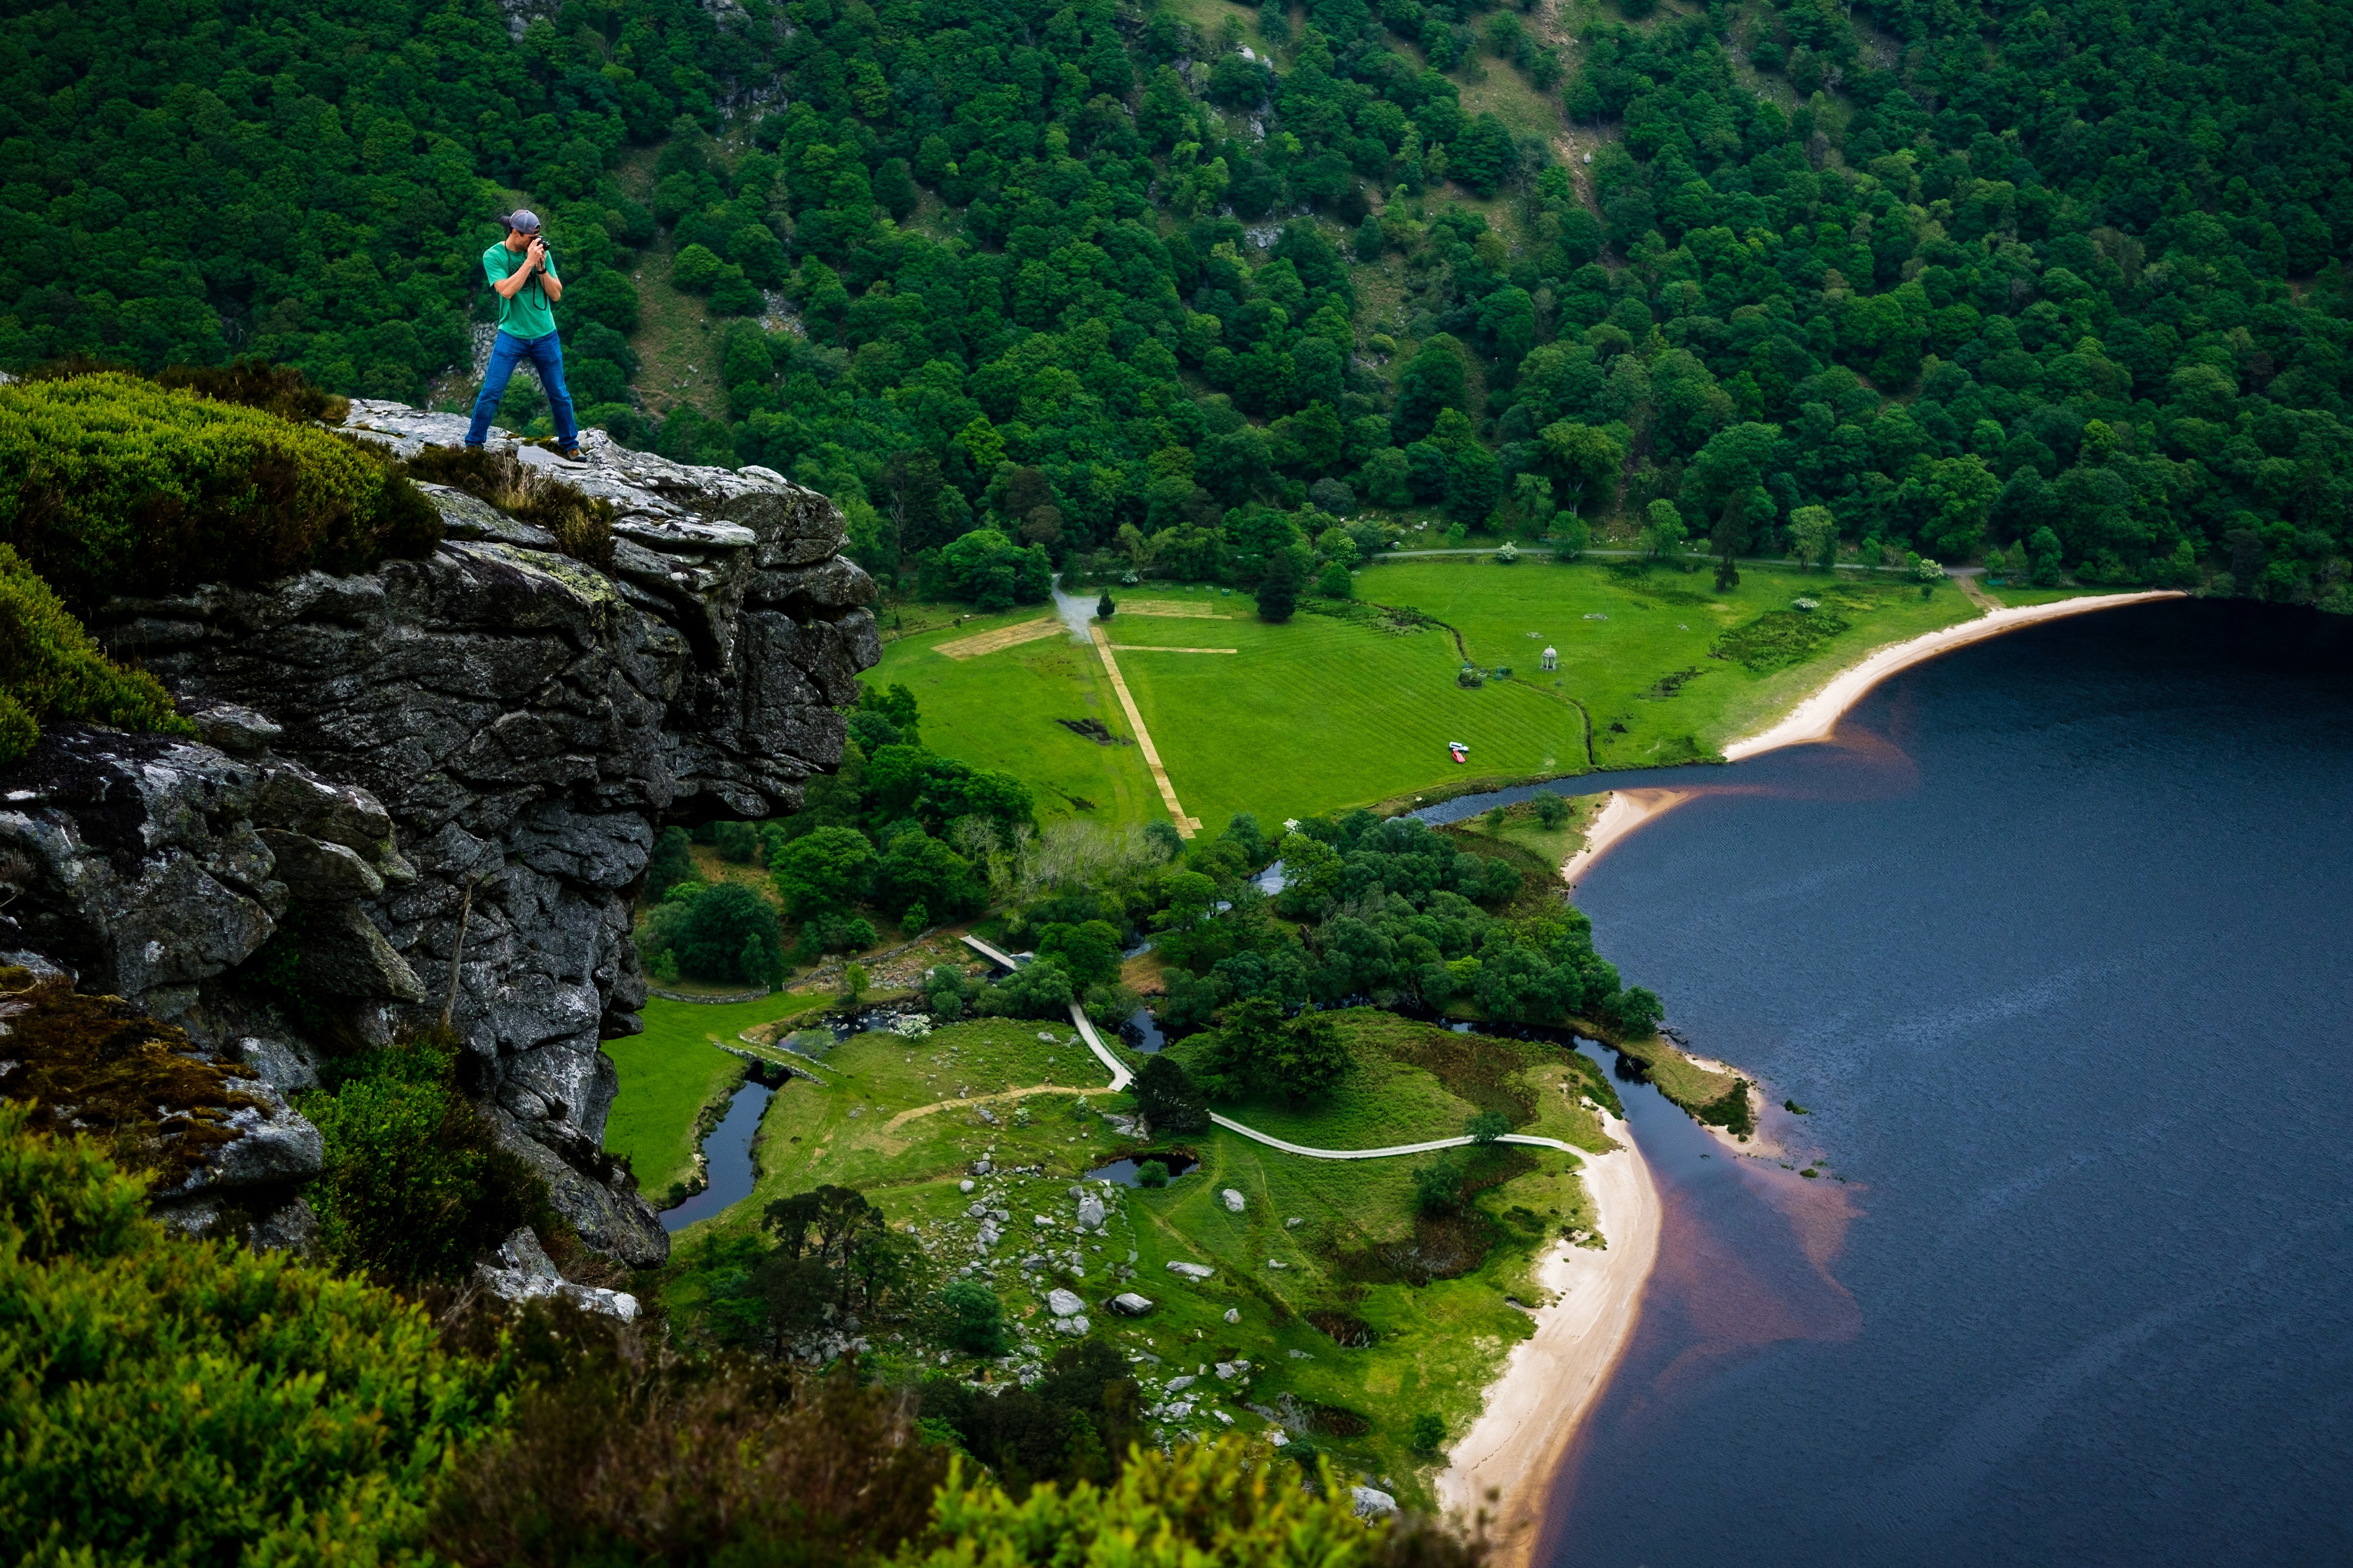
pixel 727 1155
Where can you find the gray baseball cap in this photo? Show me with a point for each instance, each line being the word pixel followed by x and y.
pixel 522 220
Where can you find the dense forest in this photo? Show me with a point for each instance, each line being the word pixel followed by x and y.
pixel 2058 279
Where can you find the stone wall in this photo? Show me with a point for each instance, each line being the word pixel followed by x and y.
pixel 436 785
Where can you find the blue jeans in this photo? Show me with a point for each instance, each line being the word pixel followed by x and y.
pixel 546 355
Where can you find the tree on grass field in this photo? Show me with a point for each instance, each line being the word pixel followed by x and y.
pixel 1169 1098
pixel 846 1237
pixel 1428 1434
pixel 973 1319
pixel 1437 1187
pixel 1277 591
pixel 1105 608
pixel 1486 1127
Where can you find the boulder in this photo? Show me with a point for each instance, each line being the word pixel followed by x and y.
pixel 1192 1270
pixel 1090 1213
pixel 1371 1502
pixel 1233 1314
pixel 1233 1201
pixel 1128 1304
pixel 521 1271
pixel 1063 1304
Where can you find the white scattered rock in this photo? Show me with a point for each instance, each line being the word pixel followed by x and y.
pixel 1091 1212
pixel 989 1116
pixel 1041 1222
pixel 1071 1326
pixel 965 1185
pixel 1233 1314
pixel 1276 1263
pixel 1299 1355
pixel 1293 1223
pixel 1372 1502
pixel 523 1273
pixel 1225 1371
pixel 1192 1270
pixel 1063 1304
pixel 1128 1304
pixel 978 1211
pixel 1223 1417
pixel 1178 1384
pixel 1279 1439
pixel 1234 1204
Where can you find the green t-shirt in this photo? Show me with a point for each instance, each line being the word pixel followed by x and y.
pixel 528 314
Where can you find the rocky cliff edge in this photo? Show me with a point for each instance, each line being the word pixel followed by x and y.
pixel 434 787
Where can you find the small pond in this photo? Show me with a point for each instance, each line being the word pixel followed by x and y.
pixel 1124 1171
pixel 727 1152
pixel 1141 1033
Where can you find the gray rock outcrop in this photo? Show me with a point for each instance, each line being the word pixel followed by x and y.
pixel 436 785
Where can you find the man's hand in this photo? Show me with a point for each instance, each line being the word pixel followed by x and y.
pixel 535 254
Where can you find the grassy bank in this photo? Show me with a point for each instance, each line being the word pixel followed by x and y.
pixel 674 1081
pixel 1350 1306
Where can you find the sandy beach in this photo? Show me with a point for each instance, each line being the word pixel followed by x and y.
pixel 1549 1380
pixel 1628 810
pixel 1813 718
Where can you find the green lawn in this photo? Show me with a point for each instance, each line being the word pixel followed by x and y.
pixel 999 710
pixel 1323 713
pixel 670 1074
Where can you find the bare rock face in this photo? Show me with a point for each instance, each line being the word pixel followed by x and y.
pixel 437 785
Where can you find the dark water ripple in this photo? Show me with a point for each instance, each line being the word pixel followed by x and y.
pixel 2055 943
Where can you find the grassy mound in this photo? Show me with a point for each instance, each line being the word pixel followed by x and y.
pixel 113 484
pixel 52 671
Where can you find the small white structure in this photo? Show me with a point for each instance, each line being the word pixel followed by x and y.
pixel 1552 658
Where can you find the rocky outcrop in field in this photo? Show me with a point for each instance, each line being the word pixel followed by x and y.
pixel 433 788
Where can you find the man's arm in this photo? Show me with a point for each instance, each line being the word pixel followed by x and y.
pixel 548 277
pixel 506 288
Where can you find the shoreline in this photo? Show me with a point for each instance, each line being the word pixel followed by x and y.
pixel 1813 718
pixel 1628 810
pixel 1550 1380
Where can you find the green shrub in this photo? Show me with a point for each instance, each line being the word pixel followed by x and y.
pixel 171 1401
pixel 111 484
pixel 973 1319
pixel 415 1185
pixel 275 389
pixel 50 670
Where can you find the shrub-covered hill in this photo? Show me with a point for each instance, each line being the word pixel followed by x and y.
pixel 2054 280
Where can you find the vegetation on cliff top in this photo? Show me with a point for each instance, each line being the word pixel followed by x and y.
pixel 111 484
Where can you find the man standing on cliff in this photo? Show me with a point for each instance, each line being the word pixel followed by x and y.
pixel 522 275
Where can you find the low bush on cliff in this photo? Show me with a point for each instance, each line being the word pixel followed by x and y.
pixel 169 1401
pixel 50 670
pixel 113 484
pixel 415 1184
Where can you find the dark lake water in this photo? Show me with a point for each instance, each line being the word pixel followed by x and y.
pixel 728 1156
pixel 2056 944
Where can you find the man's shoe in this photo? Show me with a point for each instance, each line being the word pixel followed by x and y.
pixel 572 455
